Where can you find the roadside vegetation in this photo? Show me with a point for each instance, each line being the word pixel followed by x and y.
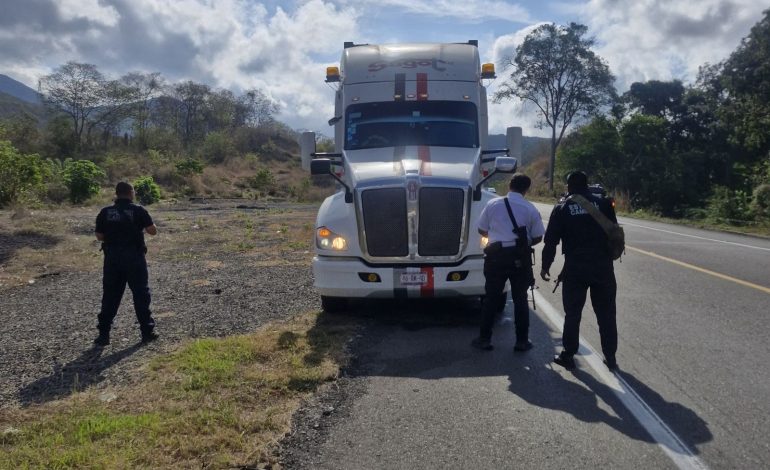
pixel 191 140
pixel 213 403
pixel 697 153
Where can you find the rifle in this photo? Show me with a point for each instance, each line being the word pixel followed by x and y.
pixel 558 281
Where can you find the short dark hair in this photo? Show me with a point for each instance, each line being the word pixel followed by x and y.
pixel 576 181
pixel 123 189
pixel 520 182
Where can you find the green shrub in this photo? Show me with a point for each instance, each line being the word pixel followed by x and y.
pixel 760 202
pixel 146 190
pixel 189 167
pixel 155 156
pixel 81 178
pixel 217 147
pixel 18 173
pixel 726 205
pixel 55 190
pixel 263 180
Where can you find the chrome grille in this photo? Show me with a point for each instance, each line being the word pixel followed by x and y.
pixel 385 223
pixel 441 221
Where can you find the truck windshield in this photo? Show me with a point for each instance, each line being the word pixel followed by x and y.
pixel 397 123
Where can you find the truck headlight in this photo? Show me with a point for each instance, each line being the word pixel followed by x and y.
pixel 327 240
pixel 483 242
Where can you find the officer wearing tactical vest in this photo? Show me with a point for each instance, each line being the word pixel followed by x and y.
pixel 121 228
pixel 587 265
pixel 512 225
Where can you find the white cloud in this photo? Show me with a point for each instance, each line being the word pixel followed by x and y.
pixel 236 44
pixel 667 39
pixel 91 10
pixel 470 11
pixel 510 112
pixel 641 40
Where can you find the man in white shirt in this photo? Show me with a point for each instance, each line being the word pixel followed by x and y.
pixel 505 259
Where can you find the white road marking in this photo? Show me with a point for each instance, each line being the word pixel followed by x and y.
pixel 666 439
pixel 695 236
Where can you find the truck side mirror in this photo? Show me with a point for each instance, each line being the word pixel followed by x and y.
pixel 307 149
pixel 505 164
pixel 323 166
pixel 513 142
pixel 320 166
pixel 502 165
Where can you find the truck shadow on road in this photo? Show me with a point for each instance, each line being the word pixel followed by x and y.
pixel 431 342
pixel 74 376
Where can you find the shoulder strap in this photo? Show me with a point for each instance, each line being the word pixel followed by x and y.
pixel 605 223
pixel 510 213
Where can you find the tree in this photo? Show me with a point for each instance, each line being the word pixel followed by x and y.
pixel 192 98
pixel 255 109
pixel 220 111
pixel 555 69
pixel 75 89
pixel 88 98
pixel 652 173
pixel 117 104
pixel 148 87
pixel 746 80
pixel 656 98
pixel 22 131
pixel 595 149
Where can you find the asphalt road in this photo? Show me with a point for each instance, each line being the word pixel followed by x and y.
pixel 693 391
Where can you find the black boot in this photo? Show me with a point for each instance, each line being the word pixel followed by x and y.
pixel 565 360
pixel 103 339
pixel 149 336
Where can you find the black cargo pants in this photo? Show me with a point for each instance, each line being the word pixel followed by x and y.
pixel 578 280
pixel 125 265
pixel 498 269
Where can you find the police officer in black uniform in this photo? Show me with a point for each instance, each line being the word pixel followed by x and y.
pixel 121 228
pixel 587 265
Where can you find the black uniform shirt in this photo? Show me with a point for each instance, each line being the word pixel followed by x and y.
pixel 583 239
pixel 123 224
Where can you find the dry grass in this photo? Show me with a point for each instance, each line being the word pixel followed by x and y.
pixel 44 242
pixel 267 234
pixel 47 242
pixel 214 403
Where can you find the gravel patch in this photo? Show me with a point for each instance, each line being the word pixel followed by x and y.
pixel 47 326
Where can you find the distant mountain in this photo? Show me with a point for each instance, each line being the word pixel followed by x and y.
pixel 18 90
pixel 10 107
pixel 531 147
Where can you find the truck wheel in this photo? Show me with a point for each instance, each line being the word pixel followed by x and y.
pixel 334 304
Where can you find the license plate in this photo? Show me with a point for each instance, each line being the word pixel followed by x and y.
pixel 412 279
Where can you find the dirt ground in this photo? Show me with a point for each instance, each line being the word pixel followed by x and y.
pixel 216 268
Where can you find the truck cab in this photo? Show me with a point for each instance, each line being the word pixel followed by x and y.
pixel 410 133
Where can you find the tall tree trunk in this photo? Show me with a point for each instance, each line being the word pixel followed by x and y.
pixel 553 159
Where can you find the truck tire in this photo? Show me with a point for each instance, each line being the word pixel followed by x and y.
pixel 333 304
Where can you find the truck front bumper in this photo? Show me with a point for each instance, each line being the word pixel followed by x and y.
pixel 350 277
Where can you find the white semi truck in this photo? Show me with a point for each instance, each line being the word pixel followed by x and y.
pixel 411 156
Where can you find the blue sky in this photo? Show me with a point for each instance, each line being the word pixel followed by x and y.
pixel 283 47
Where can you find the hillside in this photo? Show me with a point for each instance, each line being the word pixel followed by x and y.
pixel 18 90
pixel 531 147
pixel 11 106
